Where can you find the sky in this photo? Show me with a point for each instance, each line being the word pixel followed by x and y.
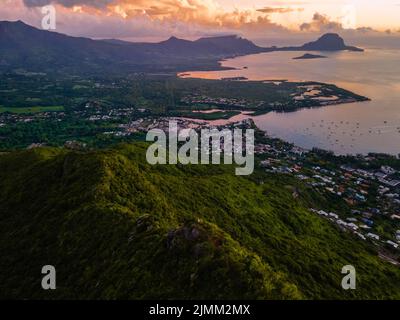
pixel 138 20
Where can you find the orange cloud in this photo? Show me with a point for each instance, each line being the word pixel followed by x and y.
pixel 201 12
pixel 321 23
pixel 279 10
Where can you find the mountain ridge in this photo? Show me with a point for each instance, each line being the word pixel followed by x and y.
pixel 26 47
pixel 116 227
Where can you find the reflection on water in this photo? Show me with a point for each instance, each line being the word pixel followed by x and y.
pixel 350 128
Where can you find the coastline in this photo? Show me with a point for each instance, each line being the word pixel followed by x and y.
pixel 348 149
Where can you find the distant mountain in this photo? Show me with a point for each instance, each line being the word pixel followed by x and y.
pixel 308 56
pixel 225 45
pixel 230 44
pixel 328 42
pixel 23 46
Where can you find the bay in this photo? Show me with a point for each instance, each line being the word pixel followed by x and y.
pixel 364 127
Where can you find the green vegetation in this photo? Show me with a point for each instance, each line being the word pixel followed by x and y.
pixel 94 106
pixel 205 116
pixel 160 94
pixel 116 227
pixel 31 109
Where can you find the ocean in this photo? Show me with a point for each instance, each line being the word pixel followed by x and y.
pixel 357 128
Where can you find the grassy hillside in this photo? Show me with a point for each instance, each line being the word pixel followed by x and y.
pixel 117 228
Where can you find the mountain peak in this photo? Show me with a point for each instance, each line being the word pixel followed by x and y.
pixel 233 43
pixel 14 23
pixel 174 39
pixel 332 38
pixel 12 27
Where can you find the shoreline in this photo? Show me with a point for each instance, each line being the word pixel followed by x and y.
pixel 359 99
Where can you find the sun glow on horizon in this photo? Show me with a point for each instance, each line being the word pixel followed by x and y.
pixel 191 18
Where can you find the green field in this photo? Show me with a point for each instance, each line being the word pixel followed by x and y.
pixel 31 109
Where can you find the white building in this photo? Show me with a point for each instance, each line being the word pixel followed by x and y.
pixel 373 236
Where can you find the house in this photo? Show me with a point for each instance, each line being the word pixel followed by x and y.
pixel 361 235
pixel 388 170
pixel 299 151
pixel 365 173
pixel 375 211
pixel 373 236
pixel 368 222
pixel 302 177
pixel 360 197
pixel 367 215
pixel 323 213
pixel 265 163
pixel 393 183
pixel 393 244
pixel 380 175
pixel 349 201
pixel 347 168
pixel 390 183
pixel 391 195
pixel 35 145
pixel 383 190
pixel 333 215
pixel 352 226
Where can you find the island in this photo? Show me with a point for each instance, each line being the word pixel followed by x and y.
pixel 309 56
pixel 327 42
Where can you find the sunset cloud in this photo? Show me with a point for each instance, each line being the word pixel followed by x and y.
pixel 202 12
pixel 69 3
pixel 138 19
pixel 279 10
pixel 321 23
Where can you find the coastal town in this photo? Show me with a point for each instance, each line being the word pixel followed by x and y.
pixel 368 188
pixel 370 191
pixel 200 157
